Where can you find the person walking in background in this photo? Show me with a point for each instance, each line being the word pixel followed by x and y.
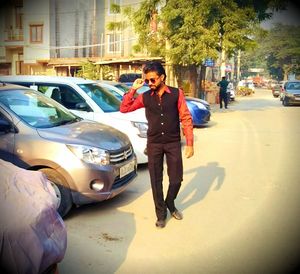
pixel 223 92
pixel 165 108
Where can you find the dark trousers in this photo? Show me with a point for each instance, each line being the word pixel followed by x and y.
pixel 156 154
pixel 223 97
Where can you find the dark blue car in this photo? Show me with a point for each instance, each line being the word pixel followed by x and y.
pixel 199 111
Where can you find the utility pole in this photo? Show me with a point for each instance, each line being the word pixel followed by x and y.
pixel 238 73
pixel 94 50
pixel 76 32
pixel 57 27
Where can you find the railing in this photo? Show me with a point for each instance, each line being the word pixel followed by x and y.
pixel 13 35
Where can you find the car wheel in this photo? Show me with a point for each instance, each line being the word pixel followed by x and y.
pixel 285 102
pixel 62 190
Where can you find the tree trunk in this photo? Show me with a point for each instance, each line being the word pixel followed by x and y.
pixel 193 80
pixel 202 82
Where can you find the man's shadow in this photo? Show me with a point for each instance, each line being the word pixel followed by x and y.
pixel 196 190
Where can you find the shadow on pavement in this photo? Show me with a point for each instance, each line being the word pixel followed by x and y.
pixel 196 190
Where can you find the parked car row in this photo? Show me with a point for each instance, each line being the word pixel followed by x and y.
pixel 85 160
pixel 88 100
pixel 199 109
pixel 55 153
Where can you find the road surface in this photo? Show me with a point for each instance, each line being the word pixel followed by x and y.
pixel 240 200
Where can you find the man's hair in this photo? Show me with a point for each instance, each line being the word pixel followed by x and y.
pixel 156 67
pixel 223 77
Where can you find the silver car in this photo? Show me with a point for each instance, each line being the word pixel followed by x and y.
pixel 87 161
pixel 291 93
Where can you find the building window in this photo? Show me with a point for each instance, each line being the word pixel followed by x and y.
pixel 114 6
pixel 114 43
pixel 19 67
pixel 36 33
pixel 19 17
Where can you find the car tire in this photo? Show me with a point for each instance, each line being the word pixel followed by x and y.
pixel 62 190
pixel 285 102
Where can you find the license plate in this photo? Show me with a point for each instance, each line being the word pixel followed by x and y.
pixel 126 169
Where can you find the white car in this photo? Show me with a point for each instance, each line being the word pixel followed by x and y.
pixel 87 99
pixel 116 88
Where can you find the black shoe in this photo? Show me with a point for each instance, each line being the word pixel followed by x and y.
pixel 160 223
pixel 177 215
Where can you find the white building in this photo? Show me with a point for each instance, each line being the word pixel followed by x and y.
pixel 55 36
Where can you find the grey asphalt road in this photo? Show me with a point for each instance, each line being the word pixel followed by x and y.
pixel 240 200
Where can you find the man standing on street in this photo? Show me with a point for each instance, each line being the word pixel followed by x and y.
pixel 165 108
pixel 223 91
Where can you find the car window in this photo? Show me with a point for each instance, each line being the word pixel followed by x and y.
pixel 122 87
pixel 102 97
pixel 115 93
pixel 64 95
pixel 37 111
pixel 293 85
pixel 3 120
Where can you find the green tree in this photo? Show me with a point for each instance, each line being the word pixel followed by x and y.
pixel 278 51
pixel 282 48
pixel 190 31
pixel 89 70
pixel 185 33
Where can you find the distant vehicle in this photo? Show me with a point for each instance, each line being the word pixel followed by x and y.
pixel 291 94
pixel 246 83
pixel 87 161
pixel 281 94
pixel 129 77
pixel 142 89
pixel 88 100
pixel 276 89
pixel 230 92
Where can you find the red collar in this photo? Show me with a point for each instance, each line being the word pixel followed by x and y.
pixel 166 89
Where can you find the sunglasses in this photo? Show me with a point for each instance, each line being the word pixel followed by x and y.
pixel 152 80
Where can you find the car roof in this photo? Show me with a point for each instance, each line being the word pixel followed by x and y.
pixel 293 81
pixel 7 86
pixel 43 78
pixel 107 82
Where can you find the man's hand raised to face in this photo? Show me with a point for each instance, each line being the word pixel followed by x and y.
pixel 137 83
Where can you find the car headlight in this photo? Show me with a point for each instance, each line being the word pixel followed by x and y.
pixel 90 155
pixel 142 127
pixel 289 94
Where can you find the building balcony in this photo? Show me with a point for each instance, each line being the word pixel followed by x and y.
pixel 13 35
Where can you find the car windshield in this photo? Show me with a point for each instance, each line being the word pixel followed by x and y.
pixel 36 110
pixel 102 97
pixel 293 85
pixel 115 93
pixel 122 87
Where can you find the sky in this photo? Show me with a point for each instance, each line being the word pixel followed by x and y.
pixel 291 16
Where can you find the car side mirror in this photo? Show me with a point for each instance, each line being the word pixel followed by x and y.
pixel 82 106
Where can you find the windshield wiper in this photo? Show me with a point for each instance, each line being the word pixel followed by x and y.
pixel 65 122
